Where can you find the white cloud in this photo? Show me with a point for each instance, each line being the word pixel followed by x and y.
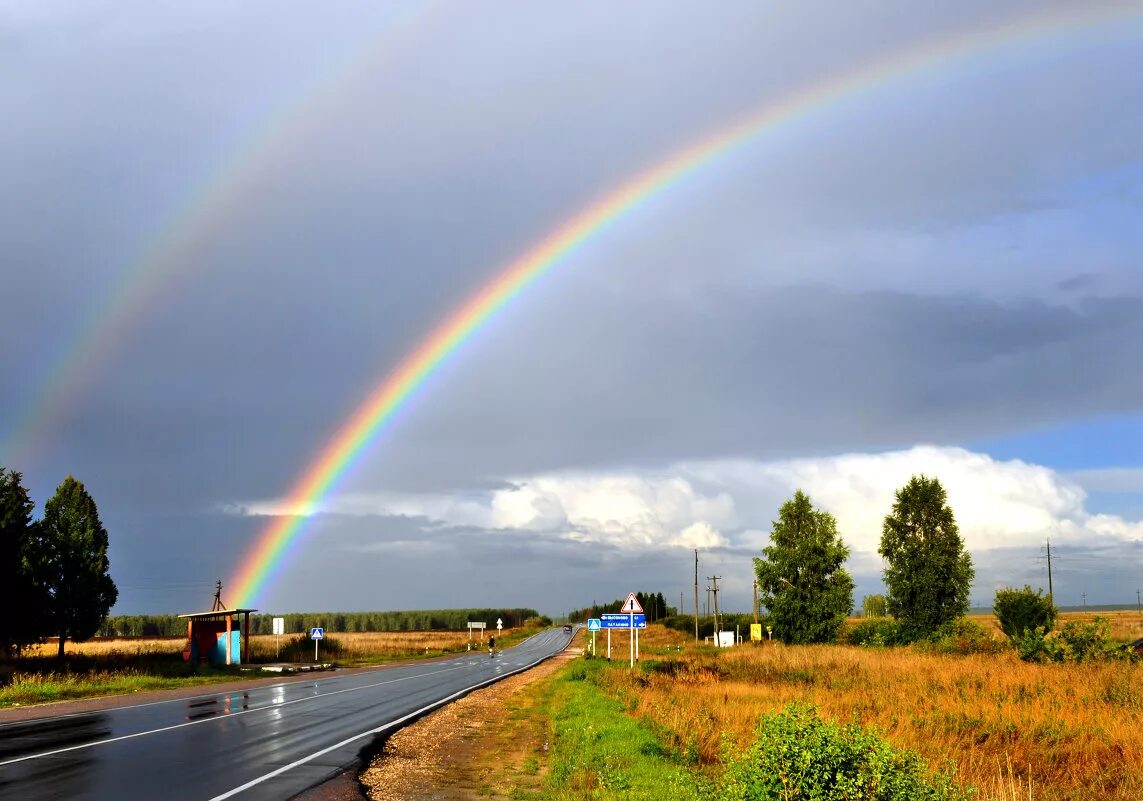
pixel 712 504
pixel 997 504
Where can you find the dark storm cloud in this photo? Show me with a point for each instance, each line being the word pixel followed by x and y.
pixel 464 566
pixel 858 282
pixel 761 373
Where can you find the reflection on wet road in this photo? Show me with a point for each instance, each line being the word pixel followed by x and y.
pixel 266 742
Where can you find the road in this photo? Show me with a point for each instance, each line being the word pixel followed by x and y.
pixel 268 742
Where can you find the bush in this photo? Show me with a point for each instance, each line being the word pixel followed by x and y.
pixel 1077 642
pixel 1023 610
pixel 798 757
pixel 962 637
pixel 876 632
pixel 301 649
pixel 686 624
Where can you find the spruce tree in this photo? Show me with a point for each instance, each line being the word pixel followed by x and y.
pixel 73 565
pixel 801 580
pixel 929 573
pixel 19 599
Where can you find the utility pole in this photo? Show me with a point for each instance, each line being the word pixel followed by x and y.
pixel 714 588
pixel 1084 596
pixel 1050 569
pixel 755 600
pixel 1138 601
pixel 706 607
pixel 696 595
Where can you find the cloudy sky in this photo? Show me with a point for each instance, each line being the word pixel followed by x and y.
pixel 222 226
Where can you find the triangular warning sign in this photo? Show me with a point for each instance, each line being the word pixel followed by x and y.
pixel 631 605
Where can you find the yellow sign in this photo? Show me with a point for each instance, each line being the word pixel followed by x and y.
pixel 756 632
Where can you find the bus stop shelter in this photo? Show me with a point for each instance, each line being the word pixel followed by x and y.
pixel 220 637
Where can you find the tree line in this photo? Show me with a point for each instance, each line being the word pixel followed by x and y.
pixel 54 573
pixel 803 584
pixel 653 603
pixel 338 622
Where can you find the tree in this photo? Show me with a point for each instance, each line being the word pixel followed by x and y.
pixel 928 573
pixel 801 578
pixel 72 564
pixel 1022 611
pixel 873 606
pixel 19 599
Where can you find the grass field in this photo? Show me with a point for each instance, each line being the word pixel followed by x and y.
pixel 354 646
pixel 113 666
pixel 1012 729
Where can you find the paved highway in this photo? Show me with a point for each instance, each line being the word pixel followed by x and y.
pixel 268 742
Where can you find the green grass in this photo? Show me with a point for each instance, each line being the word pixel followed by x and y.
pixel 600 752
pixel 40 688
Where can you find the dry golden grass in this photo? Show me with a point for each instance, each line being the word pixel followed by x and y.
pixel 100 646
pixel 355 645
pixel 1063 731
pixel 361 645
pixel 1125 626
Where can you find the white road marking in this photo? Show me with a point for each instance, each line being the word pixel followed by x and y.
pixel 370 733
pixel 184 698
pixel 217 718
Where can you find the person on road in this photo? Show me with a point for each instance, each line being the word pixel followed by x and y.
pixel 491 645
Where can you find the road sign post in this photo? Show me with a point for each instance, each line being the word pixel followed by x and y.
pixel 279 630
pixel 477 625
pixel 593 625
pixel 632 607
pixel 317 634
pixel 499 626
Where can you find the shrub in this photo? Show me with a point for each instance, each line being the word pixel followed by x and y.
pixel 1077 642
pixel 874 633
pixel 301 649
pixel 962 637
pixel 1084 642
pixel 798 757
pixel 1023 610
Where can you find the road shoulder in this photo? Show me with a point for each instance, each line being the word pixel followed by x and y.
pixel 482 746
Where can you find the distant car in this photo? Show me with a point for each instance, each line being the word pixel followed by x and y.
pixel 567 628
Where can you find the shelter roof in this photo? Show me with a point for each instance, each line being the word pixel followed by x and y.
pixel 216 613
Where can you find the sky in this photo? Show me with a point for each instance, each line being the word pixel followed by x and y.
pixel 223 225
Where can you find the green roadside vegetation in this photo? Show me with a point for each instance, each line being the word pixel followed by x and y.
pixel 595 750
pixel 26 689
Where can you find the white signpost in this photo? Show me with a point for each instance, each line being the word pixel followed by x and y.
pixel 317 633
pixel 632 607
pixel 477 625
pixel 279 630
pixel 594 625
pixel 499 626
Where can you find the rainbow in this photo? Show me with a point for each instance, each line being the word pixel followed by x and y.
pixel 367 422
pixel 209 206
pixel 371 417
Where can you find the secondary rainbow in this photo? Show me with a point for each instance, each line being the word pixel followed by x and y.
pixel 371 417
pixel 209 205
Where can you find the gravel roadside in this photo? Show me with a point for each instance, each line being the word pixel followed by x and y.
pixel 471 749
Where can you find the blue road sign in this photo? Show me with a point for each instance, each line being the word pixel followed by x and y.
pixel 594 625
pixel 317 633
pixel 616 620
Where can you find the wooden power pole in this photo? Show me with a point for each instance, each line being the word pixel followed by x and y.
pixel 714 589
pixel 696 596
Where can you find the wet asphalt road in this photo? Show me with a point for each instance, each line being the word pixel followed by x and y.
pixel 269 742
